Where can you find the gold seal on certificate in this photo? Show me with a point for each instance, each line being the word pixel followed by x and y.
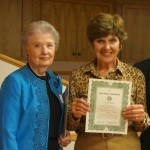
pixel 107 99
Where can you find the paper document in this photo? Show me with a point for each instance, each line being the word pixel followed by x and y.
pixel 107 99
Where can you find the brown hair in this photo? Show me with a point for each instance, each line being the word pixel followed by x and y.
pixel 104 24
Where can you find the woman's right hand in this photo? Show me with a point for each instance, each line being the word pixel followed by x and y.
pixel 80 107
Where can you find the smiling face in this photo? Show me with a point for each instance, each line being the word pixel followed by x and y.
pixel 40 49
pixel 106 49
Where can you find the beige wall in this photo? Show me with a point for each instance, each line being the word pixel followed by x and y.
pixel 6 69
pixel 66 67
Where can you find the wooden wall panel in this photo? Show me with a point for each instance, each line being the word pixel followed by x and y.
pixel 137 21
pixel 27 17
pixel 10 27
pixel 71 17
pixel 71 20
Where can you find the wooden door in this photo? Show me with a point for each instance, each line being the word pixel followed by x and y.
pixel 137 21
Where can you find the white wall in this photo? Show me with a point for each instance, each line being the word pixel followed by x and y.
pixel 5 69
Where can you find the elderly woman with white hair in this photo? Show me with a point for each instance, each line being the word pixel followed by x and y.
pixel 31 103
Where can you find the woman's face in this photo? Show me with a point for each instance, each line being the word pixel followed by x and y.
pixel 40 49
pixel 106 49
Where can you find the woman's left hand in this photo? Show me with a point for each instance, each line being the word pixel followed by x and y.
pixel 134 113
pixel 64 140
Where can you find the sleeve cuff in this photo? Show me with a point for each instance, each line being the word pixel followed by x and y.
pixel 73 122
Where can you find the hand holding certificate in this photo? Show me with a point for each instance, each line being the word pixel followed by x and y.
pixel 107 99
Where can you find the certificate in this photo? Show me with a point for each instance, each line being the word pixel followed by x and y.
pixel 107 99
